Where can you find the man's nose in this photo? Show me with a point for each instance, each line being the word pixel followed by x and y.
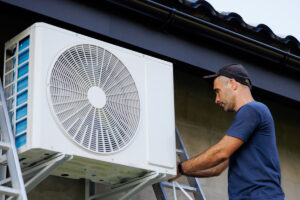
pixel 217 99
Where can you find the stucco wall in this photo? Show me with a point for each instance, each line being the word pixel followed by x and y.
pixel 202 124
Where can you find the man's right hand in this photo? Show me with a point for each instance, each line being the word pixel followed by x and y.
pixel 177 176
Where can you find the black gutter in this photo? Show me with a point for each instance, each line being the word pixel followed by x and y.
pixel 171 17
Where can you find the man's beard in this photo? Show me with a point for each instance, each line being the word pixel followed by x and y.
pixel 228 107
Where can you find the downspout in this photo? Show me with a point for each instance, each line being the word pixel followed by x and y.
pixel 172 17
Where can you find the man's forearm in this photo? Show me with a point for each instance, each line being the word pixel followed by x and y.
pixel 213 156
pixel 214 171
pixel 208 159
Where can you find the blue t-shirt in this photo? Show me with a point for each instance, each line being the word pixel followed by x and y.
pixel 254 170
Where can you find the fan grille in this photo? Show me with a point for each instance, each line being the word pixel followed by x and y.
pixel 104 129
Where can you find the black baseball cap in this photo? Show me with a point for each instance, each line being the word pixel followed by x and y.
pixel 235 71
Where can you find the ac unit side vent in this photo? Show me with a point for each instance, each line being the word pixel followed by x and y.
pixel 16 87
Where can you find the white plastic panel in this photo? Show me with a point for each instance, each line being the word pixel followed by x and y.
pixel 160 121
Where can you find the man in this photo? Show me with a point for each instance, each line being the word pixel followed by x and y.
pixel 248 147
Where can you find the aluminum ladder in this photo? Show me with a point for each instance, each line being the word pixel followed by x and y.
pixel 194 185
pixel 7 147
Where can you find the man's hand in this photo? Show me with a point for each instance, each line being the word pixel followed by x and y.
pixel 177 176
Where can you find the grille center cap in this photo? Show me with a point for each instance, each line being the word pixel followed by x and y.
pixel 97 97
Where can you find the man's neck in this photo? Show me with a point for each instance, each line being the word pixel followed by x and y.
pixel 243 99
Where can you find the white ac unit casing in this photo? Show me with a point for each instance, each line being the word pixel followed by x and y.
pixel 30 59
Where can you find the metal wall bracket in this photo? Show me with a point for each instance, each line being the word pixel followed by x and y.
pixel 137 185
pixel 40 172
pixel 49 167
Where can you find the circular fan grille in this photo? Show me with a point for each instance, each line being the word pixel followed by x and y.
pixel 94 98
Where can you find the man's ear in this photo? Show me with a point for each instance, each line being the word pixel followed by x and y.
pixel 233 84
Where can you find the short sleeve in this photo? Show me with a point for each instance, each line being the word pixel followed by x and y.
pixel 244 123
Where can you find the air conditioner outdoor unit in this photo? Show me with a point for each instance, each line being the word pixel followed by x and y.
pixel 110 107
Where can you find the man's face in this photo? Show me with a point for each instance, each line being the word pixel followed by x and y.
pixel 224 94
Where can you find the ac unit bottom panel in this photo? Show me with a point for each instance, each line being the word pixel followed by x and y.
pixel 79 167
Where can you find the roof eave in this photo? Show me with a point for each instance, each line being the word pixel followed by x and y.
pixel 167 15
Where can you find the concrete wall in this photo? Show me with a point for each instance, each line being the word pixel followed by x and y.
pixel 56 188
pixel 202 124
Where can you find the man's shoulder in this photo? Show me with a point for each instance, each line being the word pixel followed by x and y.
pixel 260 110
pixel 256 108
pixel 255 105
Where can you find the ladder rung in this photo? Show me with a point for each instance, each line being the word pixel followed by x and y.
pixel 4 145
pixel 3 159
pixel 8 191
pixel 185 187
pixel 179 151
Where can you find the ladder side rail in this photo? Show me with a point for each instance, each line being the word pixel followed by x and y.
pixel 194 182
pixel 3 172
pixel 180 145
pixel 12 156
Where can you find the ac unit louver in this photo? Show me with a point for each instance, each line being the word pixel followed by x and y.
pixel 110 107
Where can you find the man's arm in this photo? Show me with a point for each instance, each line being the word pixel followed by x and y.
pixel 213 156
pixel 214 171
